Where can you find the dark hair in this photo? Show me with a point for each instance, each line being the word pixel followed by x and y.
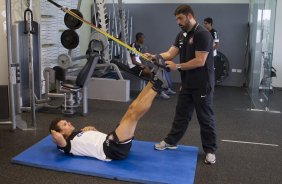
pixel 209 20
pixel 184 9
pixel 138 35
pixel 54 125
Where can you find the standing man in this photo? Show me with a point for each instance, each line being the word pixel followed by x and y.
pixel 208 22
pixel 194 44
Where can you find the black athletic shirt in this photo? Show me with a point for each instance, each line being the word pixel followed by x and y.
pixel 198 39
pixel 215 39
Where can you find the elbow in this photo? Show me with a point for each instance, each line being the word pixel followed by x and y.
pixel 201 63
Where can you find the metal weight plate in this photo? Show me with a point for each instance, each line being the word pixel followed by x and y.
pixel 102 38
pixel 99 37
pixel 96 46
pixel 72 22
pixel 64 60
pixel 70 39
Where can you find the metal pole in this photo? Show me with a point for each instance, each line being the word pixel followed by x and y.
pixel 95 13
pixel 110 32
pixel 127 25
pixel 117 48
pixel 131 29
pixel 10 60
pixel 115 18
pixel 109 24
pixel 31 70
pixel 85 100
pixel 78 4
pixel 114 44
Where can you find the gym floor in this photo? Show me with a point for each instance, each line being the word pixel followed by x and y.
pixel 236 163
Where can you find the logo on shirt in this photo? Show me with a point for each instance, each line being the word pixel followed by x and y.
pixel 181 42
pixel 191 40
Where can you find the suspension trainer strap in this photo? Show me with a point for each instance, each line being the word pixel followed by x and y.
pixel 54 3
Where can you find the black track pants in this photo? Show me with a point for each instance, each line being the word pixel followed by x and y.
pixel 200 100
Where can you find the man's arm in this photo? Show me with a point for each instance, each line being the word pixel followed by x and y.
pixel 168 55
pixel 198 61
pixel 133 59
pixel 58 139
pixel 89 128
pixel 171 53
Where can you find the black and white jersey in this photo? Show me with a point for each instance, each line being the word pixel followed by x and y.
pixel 214 35
pixel 136 47
pixel 136 56
pixel 215 39
pixel 88 143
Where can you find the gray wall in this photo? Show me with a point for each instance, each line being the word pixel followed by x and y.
pixel 157 22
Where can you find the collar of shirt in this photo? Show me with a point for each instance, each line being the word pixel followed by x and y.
pixel 193 29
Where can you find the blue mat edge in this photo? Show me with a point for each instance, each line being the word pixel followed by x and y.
pixel 15 161
pixel 70 171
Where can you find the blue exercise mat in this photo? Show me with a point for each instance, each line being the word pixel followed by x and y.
pixel 143 164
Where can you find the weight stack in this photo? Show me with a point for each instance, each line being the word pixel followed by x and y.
pixel 20 53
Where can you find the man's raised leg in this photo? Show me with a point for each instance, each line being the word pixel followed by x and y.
pixel 140 105
pixel 136 110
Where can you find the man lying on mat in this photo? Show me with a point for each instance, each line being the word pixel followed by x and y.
pixel 115 145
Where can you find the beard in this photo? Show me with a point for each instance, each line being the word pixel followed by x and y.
pixel 186 26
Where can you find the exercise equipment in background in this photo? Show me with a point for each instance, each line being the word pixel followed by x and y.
pixel 221 65
pixel 27 68
pixel 66 10
pixel 66 61
pixel 69 39
pixel 71 22
pixel 73 89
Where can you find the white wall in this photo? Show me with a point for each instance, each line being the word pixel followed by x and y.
pixel 277 54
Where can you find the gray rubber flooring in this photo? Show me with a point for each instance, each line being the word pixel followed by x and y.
pixel 236 163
